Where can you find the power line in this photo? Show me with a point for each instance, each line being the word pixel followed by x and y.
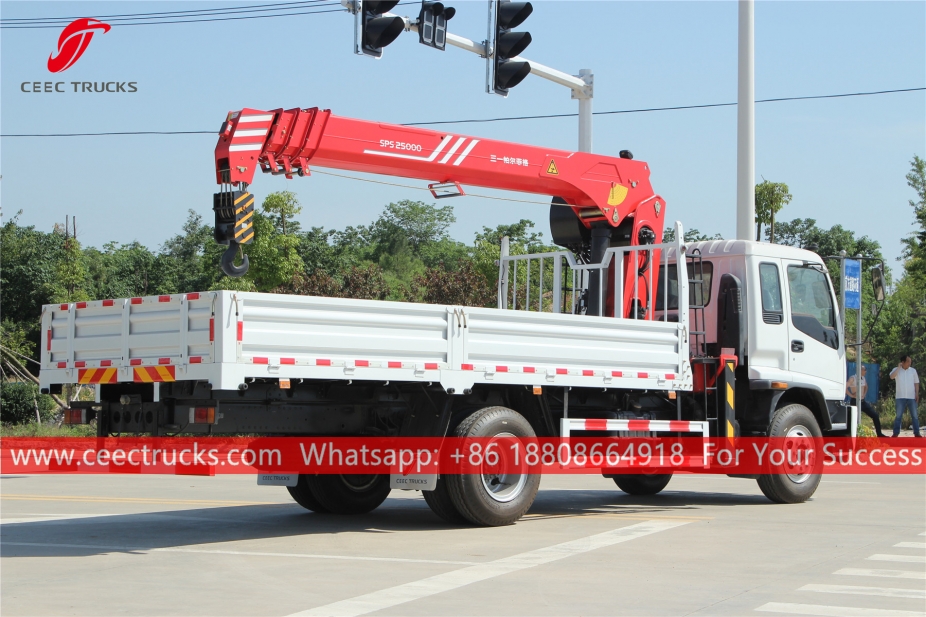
pixel 481 120
pixel 257 7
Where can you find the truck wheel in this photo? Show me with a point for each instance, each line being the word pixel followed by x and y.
pixel 442 505
pixel 492 498
pixel 791 421
pixel 642 484
pixel 303 495
pixel 349 493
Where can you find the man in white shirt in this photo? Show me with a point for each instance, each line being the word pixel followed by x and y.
pixel 866 407
pixel 908 393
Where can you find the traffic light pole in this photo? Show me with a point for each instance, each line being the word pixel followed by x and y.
pixel 582 86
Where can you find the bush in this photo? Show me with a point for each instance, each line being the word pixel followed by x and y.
pixel 18 401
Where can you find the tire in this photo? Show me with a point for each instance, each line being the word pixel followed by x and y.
pixel 303 495
pixel 442 505
pixel 349 494
pixel 642 484
pixel 791 420
pixel 493 500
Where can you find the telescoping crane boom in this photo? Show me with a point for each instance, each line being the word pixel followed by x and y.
pixel 598 201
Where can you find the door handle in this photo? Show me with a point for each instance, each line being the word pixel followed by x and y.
pixel 797 346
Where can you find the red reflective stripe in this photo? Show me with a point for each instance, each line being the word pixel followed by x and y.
pixel 259 360
pixel 679 426
pixel 62 365
pixel 617 374
pixel 192 296
pixel 64 307
pixel 136 300
pixel 48 343
pixel 361 363
pixel 430 366
pixel 109 302
pixel 637 425
pixel 81 305
pixel 212 328
pixel 135 361
pixel 196 359
pixel 529 369
pixel 501 369
pixel 163 360
pixel 561 371
pixel 395 364
pixel 80 364
pixel 163 298
pixel 106 362
pixel 596 424
pixel 240 330
pixel 287 360
pixel 467 367
pixel 322 362
pixel 670 375
pixel 588 373
pixel 642 375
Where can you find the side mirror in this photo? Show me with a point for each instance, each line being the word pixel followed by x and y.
pixel 877 282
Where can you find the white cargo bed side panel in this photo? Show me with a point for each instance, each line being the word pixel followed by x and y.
pixel 308 329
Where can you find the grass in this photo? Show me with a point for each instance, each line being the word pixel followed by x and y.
pixel 47 430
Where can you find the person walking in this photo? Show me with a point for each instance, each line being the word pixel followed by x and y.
pixel 907 393
pixel 865 405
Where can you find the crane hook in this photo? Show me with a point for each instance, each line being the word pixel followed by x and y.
pixel 228 261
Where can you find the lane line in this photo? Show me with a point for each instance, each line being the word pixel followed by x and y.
pixel 887 592
pixel 882 573
pixel 834 611
pixel 910 545
pixel 416 590
pixel 139 549
pixel 91 499
pixel 848 482
pixel 903 558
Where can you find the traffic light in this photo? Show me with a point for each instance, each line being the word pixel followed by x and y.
pixel 373 29
pixel 432 24
pixel 507 44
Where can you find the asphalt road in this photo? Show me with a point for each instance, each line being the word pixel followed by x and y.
pixel 149 545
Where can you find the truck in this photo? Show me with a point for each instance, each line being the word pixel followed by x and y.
pixel 620 331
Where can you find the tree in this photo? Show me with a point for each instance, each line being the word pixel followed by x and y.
pixel 691 235
pixel 415 221
pixel 281 207
pixel 770 198
pixel 274 257
pixel 464 287
pixel 915 243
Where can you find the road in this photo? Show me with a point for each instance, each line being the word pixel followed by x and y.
pixel 159 545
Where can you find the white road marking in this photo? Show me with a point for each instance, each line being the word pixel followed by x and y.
pixel 834 611
pixel 887 592
pixel 903 558
pixel 882 573
pixel 848 482
pixel 910 545
pixel 416 590
pixel 139 549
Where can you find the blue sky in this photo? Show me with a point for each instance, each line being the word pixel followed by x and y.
pixel 844 159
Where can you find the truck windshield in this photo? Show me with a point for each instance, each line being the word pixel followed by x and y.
pixel 695 290
pixel 812 310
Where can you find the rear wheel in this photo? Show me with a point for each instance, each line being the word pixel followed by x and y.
pixel 798 422
pixel 349 493
pixel 441 504
pixel 502 495
pixel 303 495
pixel 642 484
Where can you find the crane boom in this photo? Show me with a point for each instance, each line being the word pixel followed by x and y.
pixel 604 192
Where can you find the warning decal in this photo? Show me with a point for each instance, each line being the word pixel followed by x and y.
pixel 551 168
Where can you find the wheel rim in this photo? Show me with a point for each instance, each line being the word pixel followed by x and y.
pixel 359 483
pixel 798 431
pixel 503 487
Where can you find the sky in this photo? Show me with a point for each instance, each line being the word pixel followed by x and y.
pixel 844 159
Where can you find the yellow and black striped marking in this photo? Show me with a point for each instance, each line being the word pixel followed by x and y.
pixel 244 223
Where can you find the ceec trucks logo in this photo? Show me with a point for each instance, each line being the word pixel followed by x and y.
pixel 73 43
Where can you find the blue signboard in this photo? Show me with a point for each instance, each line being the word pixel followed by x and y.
pixel 852 283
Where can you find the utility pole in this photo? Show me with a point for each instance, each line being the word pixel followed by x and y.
pixel 746 124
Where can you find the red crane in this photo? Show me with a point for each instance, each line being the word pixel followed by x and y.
pixel 612 201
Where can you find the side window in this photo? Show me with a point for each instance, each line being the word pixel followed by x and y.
pixel 812 310
pixel 770 285
pixel 698 294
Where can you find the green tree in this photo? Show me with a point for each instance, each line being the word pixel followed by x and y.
pixel 770 198
pixel 691 235
pixel 274 258
pixel 281 207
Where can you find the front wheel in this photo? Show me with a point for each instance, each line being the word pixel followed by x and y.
pixel 798 422
pixel 349 493
pixel 642 484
